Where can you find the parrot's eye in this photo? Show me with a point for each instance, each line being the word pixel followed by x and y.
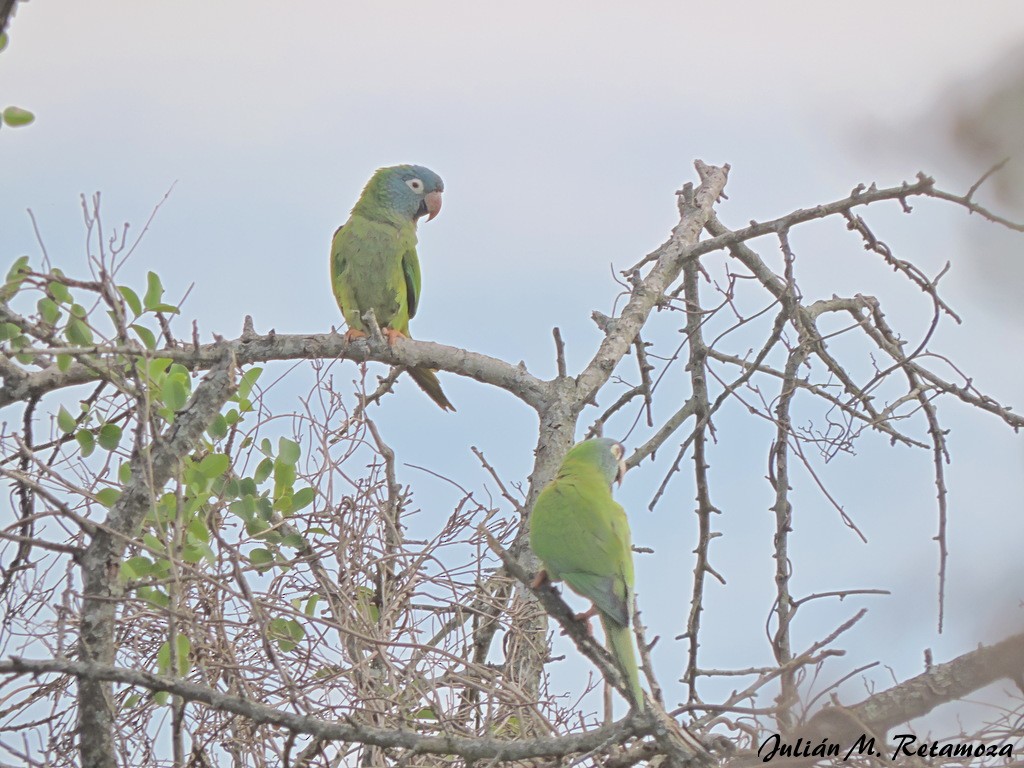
pixel 415 185
pixel 618 451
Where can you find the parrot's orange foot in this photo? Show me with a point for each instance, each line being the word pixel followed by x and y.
pixel 539 580
pixel 392 335
pixel 587 615
pixel 585 618
pixel 352 334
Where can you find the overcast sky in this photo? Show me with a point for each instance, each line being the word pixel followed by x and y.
pixel 561 130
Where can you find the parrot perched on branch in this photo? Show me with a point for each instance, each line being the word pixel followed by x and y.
pixel 374 263
pixel 581 535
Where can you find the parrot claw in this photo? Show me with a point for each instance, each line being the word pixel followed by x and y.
pixel 354 334
pixel 539 580
pixel 392 335
pixel 585 618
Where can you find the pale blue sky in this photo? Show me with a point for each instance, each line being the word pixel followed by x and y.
pixel 561 130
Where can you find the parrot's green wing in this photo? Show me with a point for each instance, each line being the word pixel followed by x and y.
pixel 411 270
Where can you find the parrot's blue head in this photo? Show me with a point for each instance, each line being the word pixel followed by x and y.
pixel 406 192
pixel 605 453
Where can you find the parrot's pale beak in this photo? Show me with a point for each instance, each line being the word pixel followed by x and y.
pixel 622 471
pixel 433 203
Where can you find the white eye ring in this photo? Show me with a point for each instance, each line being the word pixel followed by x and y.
pixel 618 451
pixel 415 185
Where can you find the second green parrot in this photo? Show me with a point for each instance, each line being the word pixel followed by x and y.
pixel 373 258
pixel 581 535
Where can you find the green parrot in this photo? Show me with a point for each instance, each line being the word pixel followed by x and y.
pixel 373 258
pixel 581 535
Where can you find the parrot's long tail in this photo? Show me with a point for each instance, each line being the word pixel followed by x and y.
pixel 620 643
pixel 427 380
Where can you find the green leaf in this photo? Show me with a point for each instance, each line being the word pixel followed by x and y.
pixel 63 362
pixel 86 441
pixel 214 465
pixel 283 504
pixel 198 530
pixel 8 331
pixel 3 40
pixel 193 554
pixel 265 508
pixel 288 451
pixel 175 394
pixel 17 117
pixel 109 436
pixel 15 277
pixel 79 311
pixel 131 298
pixel 78 332
pixel 59 292
pixel 157 368
pixel 18 269
pixel 161 568
pixel 366 603
pixel 183 646
pixel 65 421
pixel 155 597
pixel 303 498
pixel 293 540
pixel 48 310
pixel 131 701
pixel 425 713
pixel 145 335
pixel 124 473
pixel 310 609
pixel 246 382
pixel 154 291
pixel 108 497
pixel 263 470
pixel 218 427
pixel 163 658
pixel 287 633
pixel 179 370
pixel 256 527
pixel 261 557
pixel 284 479
pixel 137 567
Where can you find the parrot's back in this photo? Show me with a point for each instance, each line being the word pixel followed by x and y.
pixel 581 534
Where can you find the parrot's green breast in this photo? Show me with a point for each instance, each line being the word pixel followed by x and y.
pixel 368 272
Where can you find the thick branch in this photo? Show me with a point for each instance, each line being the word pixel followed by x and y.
pixel 695 210
pixel 918 696
pixel 101 586
pixel 249 349
pixel 471 749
